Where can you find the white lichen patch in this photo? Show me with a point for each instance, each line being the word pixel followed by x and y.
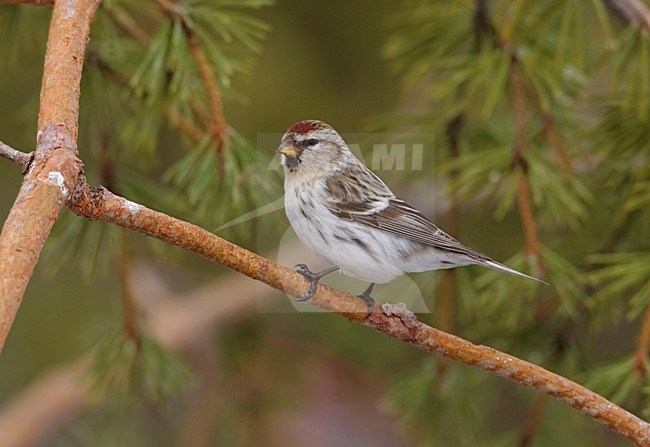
pixel 70 10
pixel 55 178
pixel 131 206
pixel 401 311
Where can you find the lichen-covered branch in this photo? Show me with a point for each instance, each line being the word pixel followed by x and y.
pixel 55 168
pixel 392 320
pixel 97 203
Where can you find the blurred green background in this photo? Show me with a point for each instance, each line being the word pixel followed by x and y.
pixel 260 374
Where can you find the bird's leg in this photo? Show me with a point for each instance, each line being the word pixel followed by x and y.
pixel 367 298
pixel 313 278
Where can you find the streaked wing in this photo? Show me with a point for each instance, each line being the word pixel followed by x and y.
pixel 356 190
pixel 362 197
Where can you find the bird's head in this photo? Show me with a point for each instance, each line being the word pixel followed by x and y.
pixel 311 146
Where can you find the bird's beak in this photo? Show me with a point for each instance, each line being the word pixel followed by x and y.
pixel 289 151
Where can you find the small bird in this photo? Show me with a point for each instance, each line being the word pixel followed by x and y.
pixel 349 218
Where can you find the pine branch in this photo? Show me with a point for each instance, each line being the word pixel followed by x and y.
pixel 54 171
pixel 393 320
pixel 524 196
pixel 483 21
pixel 181 123
pixel 219 127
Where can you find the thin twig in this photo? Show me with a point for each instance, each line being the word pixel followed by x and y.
pixel 129 307
pixel 520 113
pixel 219 126
pixel 524 196
pixel 533 421
pixel 447 288
pixel 642 352
pixel 20 158
pixel 553 137
pixel 183 125
pixel 446 302
pixel 526 212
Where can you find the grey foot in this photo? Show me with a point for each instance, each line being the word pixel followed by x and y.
pixel 368 299
pixel 313 278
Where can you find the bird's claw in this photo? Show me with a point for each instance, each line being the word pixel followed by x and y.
pixel 370 301
pixel 303 270
pixel 313 278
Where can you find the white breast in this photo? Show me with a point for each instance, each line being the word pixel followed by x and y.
pixel 360 251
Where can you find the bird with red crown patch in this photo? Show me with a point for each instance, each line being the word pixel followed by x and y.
pixel 349 218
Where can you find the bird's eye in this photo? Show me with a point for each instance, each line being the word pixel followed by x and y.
pixel 312 142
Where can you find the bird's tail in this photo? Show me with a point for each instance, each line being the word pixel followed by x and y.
pixel 496 266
